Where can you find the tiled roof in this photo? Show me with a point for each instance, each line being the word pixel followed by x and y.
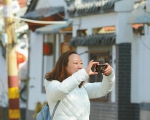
pixel 98 39
pixel 43 12
pixel 91 7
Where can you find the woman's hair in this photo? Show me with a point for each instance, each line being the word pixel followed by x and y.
pixel 59 72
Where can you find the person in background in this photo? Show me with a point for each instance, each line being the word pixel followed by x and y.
pixel 66 82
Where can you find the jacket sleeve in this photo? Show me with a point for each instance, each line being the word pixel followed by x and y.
pixel 99 89
pixel 56 90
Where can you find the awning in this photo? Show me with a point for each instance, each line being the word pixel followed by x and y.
pixel 99 39
pixel 139 15
pixel 53 28
pixel 43 13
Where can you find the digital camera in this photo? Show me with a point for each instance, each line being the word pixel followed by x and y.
pixel 100 68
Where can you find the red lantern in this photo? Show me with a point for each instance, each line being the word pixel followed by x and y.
pixel 47 48
pixel 20 58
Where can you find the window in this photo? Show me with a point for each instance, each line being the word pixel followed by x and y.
pixel 104 30
pixel 81 33
pixel 102 57
pixel 65 45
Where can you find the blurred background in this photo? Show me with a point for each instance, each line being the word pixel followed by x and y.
pixel 112 31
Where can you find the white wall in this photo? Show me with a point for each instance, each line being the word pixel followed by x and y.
pixel 94 21
pixel 123 29
pixel 113 93
pixel 35 71
pixel 124 5
pixel 140 68
pixel 57 47
pixel 3 81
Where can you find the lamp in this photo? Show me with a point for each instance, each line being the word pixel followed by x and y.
pixel 20 58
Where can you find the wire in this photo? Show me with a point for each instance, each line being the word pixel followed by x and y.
pixel 82 52
pixel 41 22
pixel 145 45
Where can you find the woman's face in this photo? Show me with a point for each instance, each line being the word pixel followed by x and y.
pixel 74 64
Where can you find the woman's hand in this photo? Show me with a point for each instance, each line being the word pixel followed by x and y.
pixel 108 70
pixel 88 68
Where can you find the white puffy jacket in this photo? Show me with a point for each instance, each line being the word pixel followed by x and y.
pixel 75 104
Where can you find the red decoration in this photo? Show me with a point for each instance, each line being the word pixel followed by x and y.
pixel 47 48
pixel 20 58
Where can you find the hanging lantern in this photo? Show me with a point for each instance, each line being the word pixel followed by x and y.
pixel 20 58
pixel 47 48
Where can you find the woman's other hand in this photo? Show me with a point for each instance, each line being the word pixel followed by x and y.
pixel 88 68
pixel 108 70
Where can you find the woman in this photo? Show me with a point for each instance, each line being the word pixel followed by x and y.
pixel 66 83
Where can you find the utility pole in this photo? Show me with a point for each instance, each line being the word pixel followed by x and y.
pixel 12 71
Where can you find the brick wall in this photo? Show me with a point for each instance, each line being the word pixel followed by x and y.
pixel 126 110
pixel 103 111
